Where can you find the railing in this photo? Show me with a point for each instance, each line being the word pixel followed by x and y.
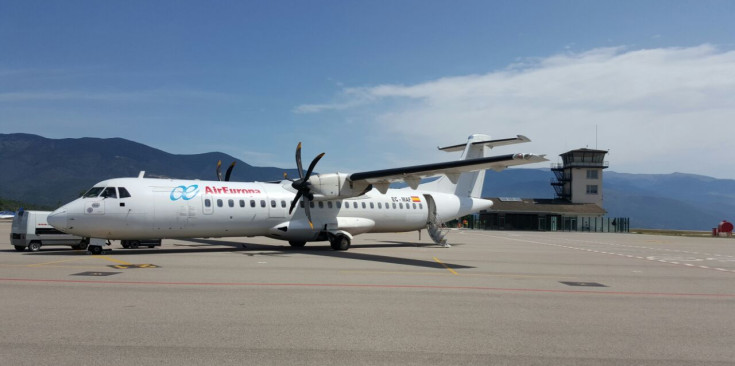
pixel 581 164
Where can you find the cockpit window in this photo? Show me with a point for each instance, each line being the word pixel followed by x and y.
pixel 109 192
pixel 94 192
pixel 123 192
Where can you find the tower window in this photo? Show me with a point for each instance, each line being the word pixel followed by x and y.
pixel 592 189
pixel 592 174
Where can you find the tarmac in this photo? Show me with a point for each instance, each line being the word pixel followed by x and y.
pixel 493 298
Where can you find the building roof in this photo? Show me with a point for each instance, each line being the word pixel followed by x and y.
pixel 544 206
pixel 585 150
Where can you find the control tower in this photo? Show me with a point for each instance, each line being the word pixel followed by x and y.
pixel 579 177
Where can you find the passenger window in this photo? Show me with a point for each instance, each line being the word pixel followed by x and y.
pixel 262 203
pixel 329 204
pixel 380 205
pixel 231 203
pixel 394 205
pixel 252 203
pixel 321 204
pixel 219 203
pixel 311 204
pixel 372 206
pixel 421 206
pixel 242 203
pixel 109 192
pixel 400 205
pixel 414 206
pixel 283 204
pixel 207 203
pixel 339 204
pixel 363 205
pixel 273 203
pixel 123 192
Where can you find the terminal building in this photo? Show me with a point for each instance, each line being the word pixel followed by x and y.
pixel 577 206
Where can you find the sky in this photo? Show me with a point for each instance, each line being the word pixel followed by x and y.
pixel 379 84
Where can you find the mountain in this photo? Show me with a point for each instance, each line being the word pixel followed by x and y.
pixel 655 201
pixel 50 172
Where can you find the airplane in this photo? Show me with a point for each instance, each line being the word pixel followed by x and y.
pixel 331 207
pixel 7 214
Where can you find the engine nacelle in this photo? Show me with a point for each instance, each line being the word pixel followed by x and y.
pixel 335 186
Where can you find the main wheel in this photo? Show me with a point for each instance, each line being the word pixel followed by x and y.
pixel 124 244
pixel 134 244
pixel 20 248
pixel 34 246
pixel 95 249
pixel 340 242
pixel 296 244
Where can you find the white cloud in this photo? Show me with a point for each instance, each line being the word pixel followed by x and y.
pixel 657 110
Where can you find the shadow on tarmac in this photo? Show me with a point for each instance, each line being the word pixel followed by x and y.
pixel 252 249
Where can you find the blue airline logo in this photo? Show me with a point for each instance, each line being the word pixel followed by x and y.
pixel 184 193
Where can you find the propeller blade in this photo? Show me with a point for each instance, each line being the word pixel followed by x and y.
pixel 229 171
pixel 312 165
pixel 293 203
pixel 219 173
pixel 308 213
pixel 298 161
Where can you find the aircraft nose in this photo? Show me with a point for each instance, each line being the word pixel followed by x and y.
pixel 57 219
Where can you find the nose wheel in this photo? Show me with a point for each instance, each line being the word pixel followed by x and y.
pixel 96 246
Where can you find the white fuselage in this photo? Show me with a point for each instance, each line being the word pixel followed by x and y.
pixel 167 208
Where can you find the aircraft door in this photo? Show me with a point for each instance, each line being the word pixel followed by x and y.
pixel 431 206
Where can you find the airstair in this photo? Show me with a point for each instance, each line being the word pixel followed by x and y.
pixel 437 232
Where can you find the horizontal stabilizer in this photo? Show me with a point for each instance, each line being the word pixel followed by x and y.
pixel 490 143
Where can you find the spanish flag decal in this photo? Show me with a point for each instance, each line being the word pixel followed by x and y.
pixel 415 199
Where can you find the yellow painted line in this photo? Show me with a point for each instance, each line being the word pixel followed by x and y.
pixel 112 259
pixel 54 262
pixel 446 266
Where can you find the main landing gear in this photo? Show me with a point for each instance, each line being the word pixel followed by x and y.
pixel 336 241
pixel 339 242
pixel 297 244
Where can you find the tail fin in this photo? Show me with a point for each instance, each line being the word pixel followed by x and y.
pixel 470 183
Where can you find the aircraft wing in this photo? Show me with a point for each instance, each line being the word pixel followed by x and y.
pixel 452 169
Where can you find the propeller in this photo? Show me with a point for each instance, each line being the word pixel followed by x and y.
pixel 227 174
pixel 229 171
pixel 301 185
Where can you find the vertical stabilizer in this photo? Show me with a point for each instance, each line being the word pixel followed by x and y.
pixel 465 184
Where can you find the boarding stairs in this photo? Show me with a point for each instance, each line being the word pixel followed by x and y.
pixel 437 232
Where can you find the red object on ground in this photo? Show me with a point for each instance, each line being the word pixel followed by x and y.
pixel 725 227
